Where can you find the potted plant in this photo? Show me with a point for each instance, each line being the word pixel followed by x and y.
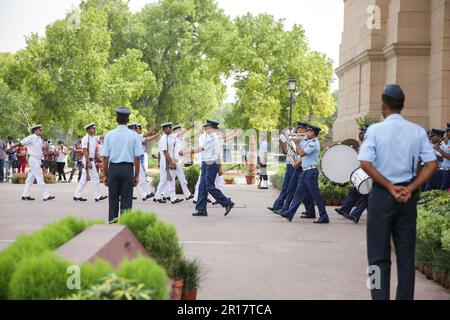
pixel 190 272
pixel 229 179
pixel 250 175
pixel 18 178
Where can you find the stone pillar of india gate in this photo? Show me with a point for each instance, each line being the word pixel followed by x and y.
pixel 411 47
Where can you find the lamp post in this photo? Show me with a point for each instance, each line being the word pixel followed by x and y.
pixel 292 87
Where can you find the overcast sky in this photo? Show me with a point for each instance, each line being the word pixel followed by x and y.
pixel 322 19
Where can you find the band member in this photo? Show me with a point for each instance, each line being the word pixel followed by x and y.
pixel 390 155
pixel 177 140
pixel 309 178
pixel 444 150
pixel 262 161
pixel 34 145
pixel 435 181
pixel 143 186
pixel 121 151
pixel 354 197
pixel 211 167
pixel 90 171
pixel 308 202
pixel 166 165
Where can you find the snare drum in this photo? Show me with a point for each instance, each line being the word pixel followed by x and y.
pixel 361 181
pixel 338 162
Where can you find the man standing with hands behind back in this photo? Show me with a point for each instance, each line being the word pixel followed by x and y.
pixel 121 153
pixel 390 155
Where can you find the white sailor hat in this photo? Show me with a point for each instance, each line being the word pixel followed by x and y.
pixel 38 126
pixel 177 127
pixel 138 125
pixel 132 126
pixel 167 124
pixel 89 126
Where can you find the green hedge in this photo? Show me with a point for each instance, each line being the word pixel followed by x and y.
pixel 29 268
pixel 433 234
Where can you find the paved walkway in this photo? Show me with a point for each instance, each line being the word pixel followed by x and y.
pixel 251 254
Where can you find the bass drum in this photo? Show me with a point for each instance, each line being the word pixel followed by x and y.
pixel 338 163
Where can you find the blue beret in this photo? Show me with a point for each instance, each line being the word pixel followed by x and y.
pixel 123 111
pixel 394 91
pixel 314 128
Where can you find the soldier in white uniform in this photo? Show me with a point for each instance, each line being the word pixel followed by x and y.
pixel 177 140
pixel 34 147
pixel 90 172
pixel 166 166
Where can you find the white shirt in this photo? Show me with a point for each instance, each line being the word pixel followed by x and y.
pixel 263 149
pixel 34 146
pixel 165 144
pixel 93 140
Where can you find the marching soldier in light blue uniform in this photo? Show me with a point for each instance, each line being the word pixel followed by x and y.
pixel 211 167
pixel 444 150
pixel 390 155
pixel 309 178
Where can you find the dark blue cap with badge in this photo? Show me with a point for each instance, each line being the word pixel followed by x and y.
pixel 394 91
pixel 212 123
pixel 313 128
pixel 436 132
pixel 123 113
pixel 302 125
pixel 448 126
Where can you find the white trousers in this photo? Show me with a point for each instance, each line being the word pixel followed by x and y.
pixel 218 182
pixel 163 182
pixel 35 173
pixel 179 173
pixel 143 184
pixel 93 173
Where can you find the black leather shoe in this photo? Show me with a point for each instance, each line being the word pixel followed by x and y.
pixel 80 199
pixel 353 218
pixel 278 212
pixel 209 201
pixel 322 221
pixel 27 199
pixel 190 197
pixel 194 202
pixel 159 200
pixel 307 216
pixel 229 207
pixel 149 196
pixel 200 214
pixel 134 198
pixel 287 217
pixel 341 212
pixel 49 198
pixel 101 198
pixel 177 201
pixel 271 209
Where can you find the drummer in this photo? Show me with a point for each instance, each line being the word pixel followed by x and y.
pixel 354 198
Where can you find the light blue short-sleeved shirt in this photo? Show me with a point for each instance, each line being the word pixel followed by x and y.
pixel 312 149
pixel 446 148
pixel 211 148
pixel 122 145
pixel 395 147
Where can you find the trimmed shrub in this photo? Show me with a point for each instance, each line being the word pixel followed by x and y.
pixel 92 273
pixel 138 222
pixel 40 278
pixel 277 179
pixel 162 243
pixel 147 272
pixel 48 238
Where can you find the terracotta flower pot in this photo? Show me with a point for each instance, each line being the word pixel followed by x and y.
pixel 250 179
pixel 177 289
pixel 228 181
pixel 192 295
pixel 21 180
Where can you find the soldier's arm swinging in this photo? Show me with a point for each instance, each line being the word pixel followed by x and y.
pixel 105 169
pixel 137 168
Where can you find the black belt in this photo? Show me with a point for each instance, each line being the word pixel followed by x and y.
pixel 122 164
pixel 91 159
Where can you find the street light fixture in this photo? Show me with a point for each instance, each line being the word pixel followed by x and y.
pixel 292 88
